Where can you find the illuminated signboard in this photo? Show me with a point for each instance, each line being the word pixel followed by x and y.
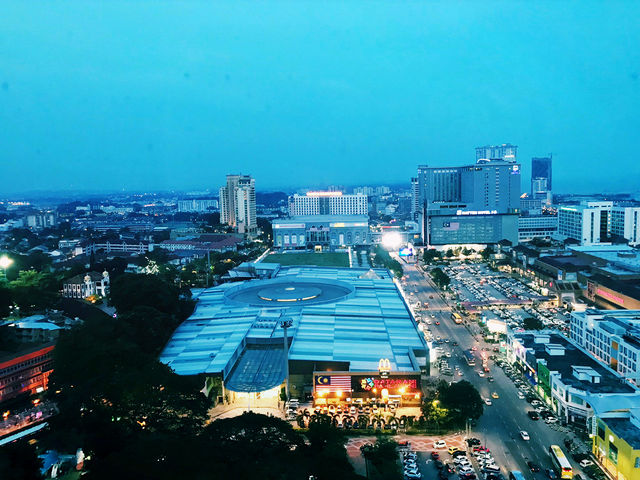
pixel 610 296
pixel 406 252
pixel 289 225
pixel 410 384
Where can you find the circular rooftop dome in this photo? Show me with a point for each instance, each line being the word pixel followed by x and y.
pixel 283 292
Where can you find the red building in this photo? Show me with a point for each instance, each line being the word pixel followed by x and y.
pixel 26 371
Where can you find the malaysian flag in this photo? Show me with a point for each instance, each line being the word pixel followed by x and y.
pixel 333 383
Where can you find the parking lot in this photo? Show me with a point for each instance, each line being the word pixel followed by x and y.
pixel 476 284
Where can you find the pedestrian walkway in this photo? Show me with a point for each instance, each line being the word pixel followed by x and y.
pixel 419 443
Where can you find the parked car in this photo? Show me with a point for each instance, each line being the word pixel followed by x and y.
pixel 533 415
pixel 585 463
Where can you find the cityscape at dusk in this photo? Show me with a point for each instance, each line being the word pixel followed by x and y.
pixel 302 240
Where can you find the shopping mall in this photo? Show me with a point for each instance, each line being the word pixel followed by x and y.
pixel 350 337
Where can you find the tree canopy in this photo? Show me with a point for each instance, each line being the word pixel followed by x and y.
pixel 532 323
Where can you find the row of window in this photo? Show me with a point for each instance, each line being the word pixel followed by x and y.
pixel 25 364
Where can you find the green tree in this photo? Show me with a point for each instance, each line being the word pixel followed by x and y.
pixel 33 291
pixel 462 400
pixel 487 252
pixel 18 461
pixel 440 278
pixel 131 290
pixel 532 323
pixel 430 255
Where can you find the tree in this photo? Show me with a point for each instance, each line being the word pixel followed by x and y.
pixel 18 461
pixel 131 290
pixel 440 278
pixel 532 323
pixel 462 400
pixel 33 291
pixel 486 253
pixel 430 255
pixel 383 456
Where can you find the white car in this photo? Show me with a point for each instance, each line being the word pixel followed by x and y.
pixel 524 435
pixel 439 444
pixel 488 401
pixel 585 463
pixel 520 395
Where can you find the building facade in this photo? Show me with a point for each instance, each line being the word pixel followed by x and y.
pixel 541 176
pixel 83 286
pixel 327 203
pixel 199 205
pixel 625 224
pixel 505 152
pixel 238 204
pixel 26 372
pixel 325 231
pixel 587 223
pixel 612 337
pixel 616 440
pixel 537 226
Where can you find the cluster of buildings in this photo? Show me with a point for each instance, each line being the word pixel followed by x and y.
pixel 591 380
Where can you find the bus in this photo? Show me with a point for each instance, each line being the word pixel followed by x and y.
pixel 560 462
pixel 456 317
pixel 470 358
pixel 516 475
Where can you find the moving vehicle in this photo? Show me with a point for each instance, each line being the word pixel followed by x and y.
pixel 495 395
pixel 456 317
pixel 533 466
pixel 524 435
pixel 439 444
pixel 560 462
pixel 533 415
pixel 516 475
pixel 488 401
pixel 585 463
pixel 470 358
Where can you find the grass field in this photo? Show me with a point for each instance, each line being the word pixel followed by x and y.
pixel 326 259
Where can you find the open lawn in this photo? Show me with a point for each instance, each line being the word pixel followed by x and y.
pixel 326 259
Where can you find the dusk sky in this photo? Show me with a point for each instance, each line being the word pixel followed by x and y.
pixel 176 94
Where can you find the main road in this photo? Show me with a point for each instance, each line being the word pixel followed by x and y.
pixel 500 425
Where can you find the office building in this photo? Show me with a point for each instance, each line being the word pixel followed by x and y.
pixel 564 375
pixel 625 224
pixel 587 223
pixel 198 205
pixel 343 324
pixel 541 176
pixel 38 221
pixel 238 204
pixel 505 152
pixel 327 203
pixel 612 337
pixel 320 231
pixel 537 226
pixel 472 204
pixel 26 371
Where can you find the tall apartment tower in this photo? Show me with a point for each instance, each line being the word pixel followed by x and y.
pixel 541 178
pixel 238 203
pixel 505 152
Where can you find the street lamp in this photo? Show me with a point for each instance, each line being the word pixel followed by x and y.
pixel 5 262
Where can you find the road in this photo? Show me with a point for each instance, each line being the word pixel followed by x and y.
pixel 499 426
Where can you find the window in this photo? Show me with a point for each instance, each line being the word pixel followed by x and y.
pixel 613 453
pixel 601 432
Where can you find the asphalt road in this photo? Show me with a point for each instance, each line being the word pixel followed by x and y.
pixel 499 426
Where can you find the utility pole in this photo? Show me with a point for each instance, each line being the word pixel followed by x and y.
pixel 285 324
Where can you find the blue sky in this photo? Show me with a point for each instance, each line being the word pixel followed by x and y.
pixel 176 94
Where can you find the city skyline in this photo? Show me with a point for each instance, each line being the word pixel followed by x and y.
pixel 378 89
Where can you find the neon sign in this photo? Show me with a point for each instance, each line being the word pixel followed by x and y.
pixel 369 383
pixel 610 296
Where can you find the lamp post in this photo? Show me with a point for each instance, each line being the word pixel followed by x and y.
pixel 5 262
pixel 285 324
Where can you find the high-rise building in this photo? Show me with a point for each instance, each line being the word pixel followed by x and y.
pixel 541 176
pixel 238 203
pixel 624 223
pixel 327 203
pixel 505 152
pixel 476 203
pixel 197 205
pixel 588 222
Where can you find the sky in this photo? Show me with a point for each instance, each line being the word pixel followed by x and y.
pixel 173 95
